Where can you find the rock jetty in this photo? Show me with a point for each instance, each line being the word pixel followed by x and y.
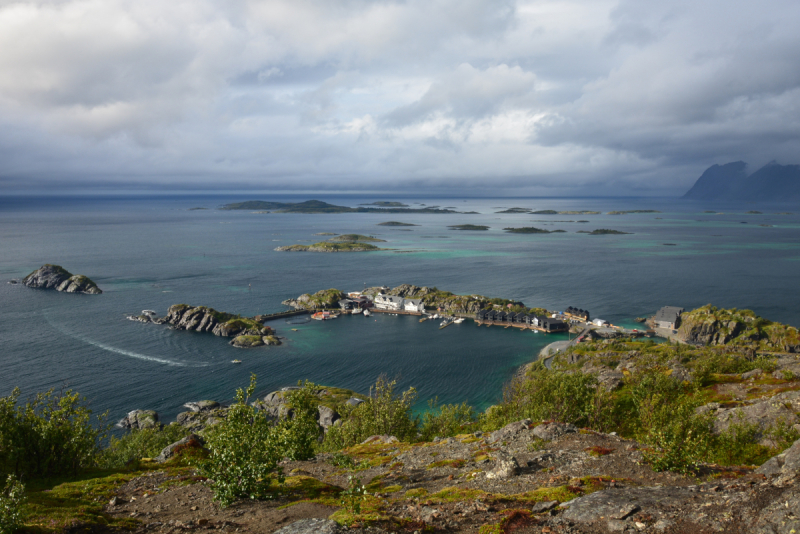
pixel 51 276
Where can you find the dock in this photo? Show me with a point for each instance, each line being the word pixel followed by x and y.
pixel 521 326
pixel 445 325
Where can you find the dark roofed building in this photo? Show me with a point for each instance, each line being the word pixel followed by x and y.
pixel 668 317
pixel 553 325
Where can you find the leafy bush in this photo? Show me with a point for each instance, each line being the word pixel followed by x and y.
pixel 50 435
pixel 445 420
pixel 682 438
pixel 542 395
pixel 299 434
pixel 383 413
pixel 139 443
pixel 244 452
pixel 11 500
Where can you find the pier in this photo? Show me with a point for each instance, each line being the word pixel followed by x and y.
pixel 521 326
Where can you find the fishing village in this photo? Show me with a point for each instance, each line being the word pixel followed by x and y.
pixel 330 304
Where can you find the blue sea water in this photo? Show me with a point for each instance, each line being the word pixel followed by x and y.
pixel 152 252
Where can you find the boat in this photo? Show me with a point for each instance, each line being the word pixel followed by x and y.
pixel 459 320
pixel 323 316
pixel 294 329
pixel 148 312
pixel 236 361
pixel 366 312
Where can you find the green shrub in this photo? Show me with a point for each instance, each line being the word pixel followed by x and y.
pixel 50 435
pixel 738 445
pixel 11 500
pixel 445 420
pixel 299 434
pixel 543 395
pixel 382 413
pixel 244 451
pixel 138 444
pixel 682 438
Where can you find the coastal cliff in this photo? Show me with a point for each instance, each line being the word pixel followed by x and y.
pixel 710 325
pixel 50 276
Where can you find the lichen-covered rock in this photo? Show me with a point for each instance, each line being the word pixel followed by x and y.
pixel 552 431
pixel 780 517
pixel 192 440
pixel 204 319
pixel 311 526
pixel 327 417
pixel 197 421
pixel 139 419
pixel 505 466
pixel 766 413
pixel 50 276
pixel 202 406
pixel 510 430
pixel 788 462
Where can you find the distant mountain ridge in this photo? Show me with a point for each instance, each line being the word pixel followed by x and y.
pixel 770 183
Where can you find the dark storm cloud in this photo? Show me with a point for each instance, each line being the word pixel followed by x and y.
pixel 584 95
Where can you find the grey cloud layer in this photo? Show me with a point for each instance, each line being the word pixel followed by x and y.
pixel 561 96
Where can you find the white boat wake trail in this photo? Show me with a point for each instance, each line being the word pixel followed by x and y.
pixel 115 350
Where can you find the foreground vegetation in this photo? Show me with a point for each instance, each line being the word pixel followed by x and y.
pixel 58 464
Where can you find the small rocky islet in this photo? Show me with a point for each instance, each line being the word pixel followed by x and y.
pixel 51 276
pixel 246 332
pixel 338 243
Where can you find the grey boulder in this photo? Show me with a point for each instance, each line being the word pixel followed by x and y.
pixel 551 431
pixel 169 451
pixel 139 419
pixel 311 526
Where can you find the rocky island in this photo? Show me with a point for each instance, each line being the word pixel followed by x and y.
pixel 603 231
pixel 385 204
pixel 246 332
pixel 531 230
pixel 50 276
pixel 475 227
pixel 340 243
pixel 396 223
pixel 317 206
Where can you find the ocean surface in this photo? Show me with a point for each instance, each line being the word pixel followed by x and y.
pixel 152 252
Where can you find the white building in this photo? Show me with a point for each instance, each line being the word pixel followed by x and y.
pixel 388 302
pixel 413 305
pixel 599 322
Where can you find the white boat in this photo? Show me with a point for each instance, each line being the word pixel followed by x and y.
pixel 236 361
pixel 366 312
pixel 459 320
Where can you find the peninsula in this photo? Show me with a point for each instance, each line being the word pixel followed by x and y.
pixel 317 206
pixel 50 276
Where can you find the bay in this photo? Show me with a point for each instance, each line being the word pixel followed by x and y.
pixel 149 252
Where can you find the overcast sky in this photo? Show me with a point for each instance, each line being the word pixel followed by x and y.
pixel 539 97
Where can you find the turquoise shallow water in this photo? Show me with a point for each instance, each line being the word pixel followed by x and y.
pixel 149 253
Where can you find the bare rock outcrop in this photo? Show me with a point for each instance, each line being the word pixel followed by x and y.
pixel 204 319
pixel 139 419
pixel 50 276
